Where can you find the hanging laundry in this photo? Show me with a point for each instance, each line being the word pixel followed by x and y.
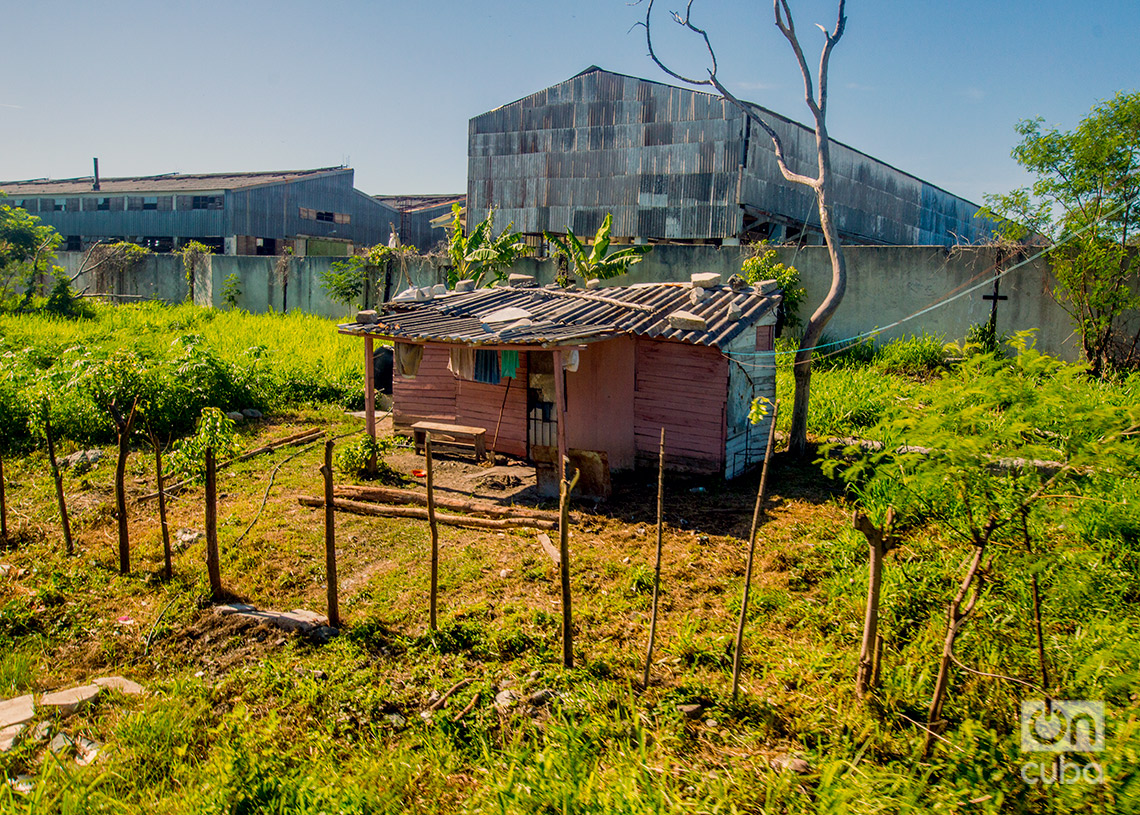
pixel 462 363
pixel 509 360
pixel 406 357
pixel 487 367
pixel 570 360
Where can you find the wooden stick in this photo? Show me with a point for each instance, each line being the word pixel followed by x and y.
pixel 330 538
pixel 548 546
pixel 498 424
pixel 398 496
pixel 389 511
pixel 434 533
pixel 565 489
pixel 213 567
pixel 657 568
pixel 58 477
pixel 756 513
pixel 3 505
pixel 168 563
pixel 458 686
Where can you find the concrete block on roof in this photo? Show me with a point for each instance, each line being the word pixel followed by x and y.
pixel 69 700
pixel 20 710
pixel 767 287
pixel 704 280
pixel 438 289
pixel 698 295
pixel 687 321
pixel 593 283
pixel 521 281
pixel 367 317
pixel 465 285
pixel 734 311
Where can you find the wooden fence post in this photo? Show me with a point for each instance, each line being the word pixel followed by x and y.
pixel 3 506
pixel 330 538
pixel 168 564
pixel 737 657
pixel 58 477
pixel 213 567
pixel 432 622
pixel 657 567
pixel 565 489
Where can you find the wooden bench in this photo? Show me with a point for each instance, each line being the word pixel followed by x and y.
pixel 453 433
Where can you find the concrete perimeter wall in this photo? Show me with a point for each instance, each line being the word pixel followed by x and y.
pixel 886 284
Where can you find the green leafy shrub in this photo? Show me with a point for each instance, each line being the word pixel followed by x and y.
pixel 919 355
pixel 363 457
pixel 216 430
pixel 763 265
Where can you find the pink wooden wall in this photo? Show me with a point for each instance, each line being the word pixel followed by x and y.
pixel 683 388
pixel 436 395
pixel 599 410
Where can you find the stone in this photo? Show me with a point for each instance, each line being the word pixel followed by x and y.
pixel 796 765
pixel 767 287
pixel 233 608
pixel 520 281
pixel 540 697
pixel 423 293
pixel 687 321
pixel 366 317
pixel 593 283
pixel 690 711
pixel 737 283
pixel 505 699
pixel 41 732
pixel 187 537
pixel 735 312
pixel 323 635
pixel 407 294
pixel 236 415
pixel 20 710
pixel 395 719
pixel 69 700
pixel 119 685
pixel 464 285
pixel 81 460
pixel 711 723
pixel 704 280
pixel 10 735
pixel 22 784
pixel 86 751
pixel 439 289
pixel 251 413
pixel 62 743
pixel 698 295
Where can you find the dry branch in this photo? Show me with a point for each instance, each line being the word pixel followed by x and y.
pixel 398 496
pixel 389 511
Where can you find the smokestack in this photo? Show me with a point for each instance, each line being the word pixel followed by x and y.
pixel 95 186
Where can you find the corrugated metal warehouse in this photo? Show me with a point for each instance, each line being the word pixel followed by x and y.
pixel 314 212
pixel 676 164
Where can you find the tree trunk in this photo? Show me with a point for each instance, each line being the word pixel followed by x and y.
pixel 434 531
pixel 57 476
pixel 657 567
pixel 167 559
pixel 565 489
pixel 869 648
pixel 121 494
pixel 213 565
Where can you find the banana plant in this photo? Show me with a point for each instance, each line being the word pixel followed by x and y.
pixel 594 260
pixel 481 253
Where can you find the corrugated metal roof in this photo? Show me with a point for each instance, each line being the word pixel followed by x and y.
pixel 562 317
pixel 171 182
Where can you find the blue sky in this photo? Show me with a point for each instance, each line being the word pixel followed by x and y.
pixel 934 88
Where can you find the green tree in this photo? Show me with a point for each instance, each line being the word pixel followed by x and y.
pixel 27 248
pixel 763 264
pixel 1084 201
pixel 481 253
pixel 594 260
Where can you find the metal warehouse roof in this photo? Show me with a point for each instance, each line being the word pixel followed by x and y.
pixel 556 316
pixel 171 182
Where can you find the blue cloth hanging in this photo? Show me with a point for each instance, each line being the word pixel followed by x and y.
pixel 487 367
pixel 510 363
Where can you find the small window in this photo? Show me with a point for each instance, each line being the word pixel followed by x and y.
pixel 206 202
pixel 103 204
pixel 150 202
pixel 327 217
pixel 74 243
pixel 57 204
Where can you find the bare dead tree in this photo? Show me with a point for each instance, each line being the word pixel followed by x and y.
pixel 815 95
pixel 880 540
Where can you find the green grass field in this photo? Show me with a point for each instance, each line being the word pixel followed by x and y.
pixel 245 720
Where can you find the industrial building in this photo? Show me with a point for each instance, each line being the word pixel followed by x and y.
pixel 420 217
pixel 312 212
pixel 674 164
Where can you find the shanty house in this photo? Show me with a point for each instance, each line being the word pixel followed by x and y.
pixel 546 370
